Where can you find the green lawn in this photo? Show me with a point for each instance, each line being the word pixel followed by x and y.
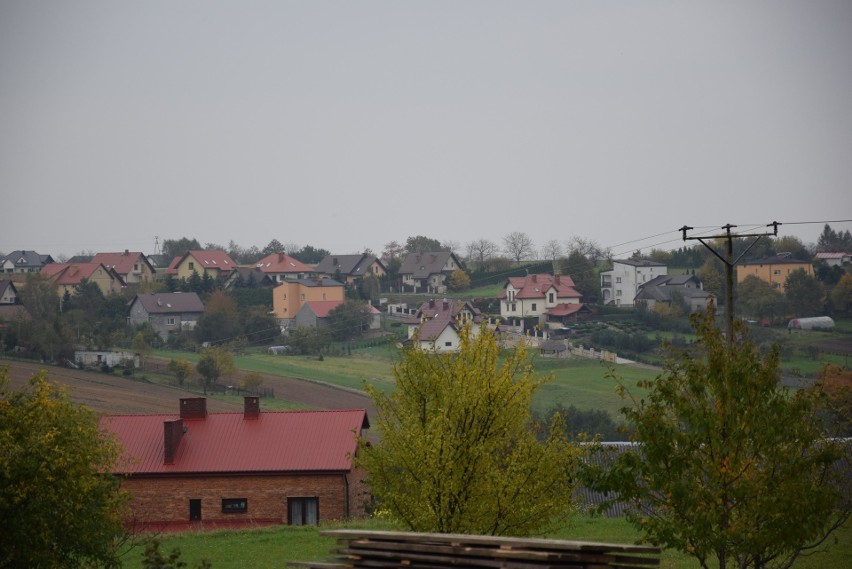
pixel 272 548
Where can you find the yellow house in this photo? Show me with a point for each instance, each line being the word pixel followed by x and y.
pixel 292 294
pixel 68 275
pixel 214 262
pixel 773 270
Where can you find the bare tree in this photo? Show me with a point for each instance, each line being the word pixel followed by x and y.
pixel 393 250
pixel 552 251
pixel 481 250
pixel 518 245
pixel 589 248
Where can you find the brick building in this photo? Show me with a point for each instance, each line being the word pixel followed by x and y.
pixel 195 470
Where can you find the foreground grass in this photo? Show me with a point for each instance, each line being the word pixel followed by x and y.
pixel 273 548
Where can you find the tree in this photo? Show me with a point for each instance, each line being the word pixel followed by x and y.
pixel 481 250
pixel 518 245
pixel 309 254
pixel 834 241
pixel 552 251
pixel 459 280
pixel 178 247
pixel 213 364
pixel 251 381
pixel 835 385
pixel 583 273
pixel 456 452
pixel 589 248
pixel 349 320
pixel 154 559
pixel 392 251
pixel 309 341
pixel 422 244
pixel 793 245
pixel 181 368
pixel 220 320
pixel 59 507
pixel 804 293
pixel 757 298
pixel 841 295
pixel 712 275
pixel 274 246
pixel 728 464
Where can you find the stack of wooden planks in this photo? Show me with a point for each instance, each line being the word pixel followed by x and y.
pixel 382 549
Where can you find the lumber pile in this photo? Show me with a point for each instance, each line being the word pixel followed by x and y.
pixel 385 549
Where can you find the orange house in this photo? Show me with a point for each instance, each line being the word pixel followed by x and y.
pixel 292 294
pixel 773 270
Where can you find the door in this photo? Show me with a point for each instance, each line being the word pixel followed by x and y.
pixel 194 509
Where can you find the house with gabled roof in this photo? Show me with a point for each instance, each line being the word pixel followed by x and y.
pixel 833 259
pixel 213 262
pixel 428 272
pixel 23 261
pixel 200 470
pixel 68 276
pixel 8 292
pixel 248 277
pixel 133 267
pixel 167 312
pixel 662 290
pixel 437 324
pixel 620 284
pixel 351 268
pixel 280 266
pixel 534 295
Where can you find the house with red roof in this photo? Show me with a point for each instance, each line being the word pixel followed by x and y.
pixel 133 267
pixel 200 470
pixel 213 262
pixel 280 266
pixel 537 295
pixel 437 324
pixel 68 276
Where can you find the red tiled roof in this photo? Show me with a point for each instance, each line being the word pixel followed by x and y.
pixel 565 309
pixel 72 273
pixel 122 263
pixel 322 307
pixel 536 286
pixel 282 263
pixel 211 259
pixel 275 441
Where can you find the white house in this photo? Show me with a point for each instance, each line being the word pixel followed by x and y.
pixel 620 285
pixel 534 295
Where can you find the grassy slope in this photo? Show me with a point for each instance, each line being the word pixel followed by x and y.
pixel 272 548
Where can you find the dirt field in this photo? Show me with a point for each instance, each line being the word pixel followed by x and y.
pixel 114 395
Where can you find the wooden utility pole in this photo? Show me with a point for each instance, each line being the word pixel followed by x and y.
pixel 730 262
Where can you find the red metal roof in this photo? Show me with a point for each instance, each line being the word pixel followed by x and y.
pixel 275 441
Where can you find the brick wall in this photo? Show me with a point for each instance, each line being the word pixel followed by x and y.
pixel 165 500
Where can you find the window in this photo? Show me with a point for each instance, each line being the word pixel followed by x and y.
pixel 170 321
pixel 550 298
pixel 618 279
pixel 302 511
pixel 618 292
pixel 191 266
pixel 514 307
pixel 533 307
pixel 776 272
pixel 448 344
pixel 302 296
pixel 234 505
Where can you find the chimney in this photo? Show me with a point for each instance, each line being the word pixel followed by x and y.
pixel 127 252
pixel 252 408
pixel 535 278
pixel 557 280
pixel 172 433
pixel 193 408
pixel 432 303
pixel 446 305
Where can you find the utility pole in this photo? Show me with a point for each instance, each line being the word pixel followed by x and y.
pixel 730 262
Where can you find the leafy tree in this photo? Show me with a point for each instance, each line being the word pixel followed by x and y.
pixel 220 320
pixel 59 508
pixel 310 255
pixel 518 245
pixel 213 364
pixel 757 298
pixel 259 326
pixel 181 368
pixel 349 319
pixel 459 280
pixel 583 273
pixel 457 453
pixel 422 244
pixel 581 424
pixel 178 247
pixel 141 346
pixel 804 293
pixel 835 384
pixel 834 241
pixel 728 464
pixel 392 251
pixel 274 246
pixel 251 381
pixel 154 559
pixel 309 341
pixel 793 245
pixel 841 295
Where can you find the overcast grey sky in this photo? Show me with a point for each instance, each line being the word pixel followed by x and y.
pixel 346 125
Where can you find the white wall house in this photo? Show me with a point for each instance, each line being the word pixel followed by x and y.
pixel 620 285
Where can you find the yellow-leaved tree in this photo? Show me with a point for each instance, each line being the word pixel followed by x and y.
pixel 458 453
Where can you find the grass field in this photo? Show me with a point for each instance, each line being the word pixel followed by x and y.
pixel 272 548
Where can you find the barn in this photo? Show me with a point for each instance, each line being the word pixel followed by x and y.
pixel 200 470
